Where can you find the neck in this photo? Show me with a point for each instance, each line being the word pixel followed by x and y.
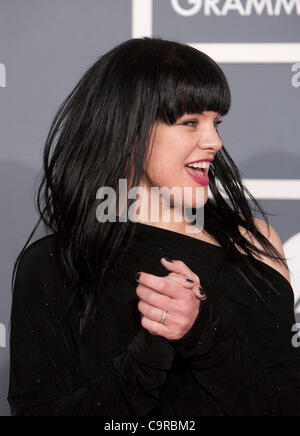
pixel 157 211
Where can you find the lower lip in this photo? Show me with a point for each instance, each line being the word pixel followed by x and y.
pixel 201 180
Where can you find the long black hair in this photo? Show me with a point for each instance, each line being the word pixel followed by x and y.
pixel 101 134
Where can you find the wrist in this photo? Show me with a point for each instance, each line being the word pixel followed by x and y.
pixel 152 350
pixel 185 345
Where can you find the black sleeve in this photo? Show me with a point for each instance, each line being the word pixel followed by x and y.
pixel 222 362
pixel 129 386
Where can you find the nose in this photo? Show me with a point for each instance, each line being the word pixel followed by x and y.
pixel 210 140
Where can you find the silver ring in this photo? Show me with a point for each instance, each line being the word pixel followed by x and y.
pixel 163 317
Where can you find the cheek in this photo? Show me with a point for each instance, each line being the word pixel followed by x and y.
pixel 165 165
pixel 160 166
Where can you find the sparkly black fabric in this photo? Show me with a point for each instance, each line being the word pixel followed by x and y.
pixel 237 359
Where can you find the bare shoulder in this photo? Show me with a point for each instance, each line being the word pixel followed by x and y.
pixel 270 233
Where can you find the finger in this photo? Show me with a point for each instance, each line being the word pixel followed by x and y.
pixel 151 312
pixel 161 285
pixel 153 298
pixel 181 280
pixel 180 267
pixel 201 294
pixel 177 265
pixel 155 327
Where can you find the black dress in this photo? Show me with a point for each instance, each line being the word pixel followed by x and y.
pixel 237 359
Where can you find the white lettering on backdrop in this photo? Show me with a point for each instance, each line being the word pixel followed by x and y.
pixel 189 8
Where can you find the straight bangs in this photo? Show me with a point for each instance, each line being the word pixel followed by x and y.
pixel 191 82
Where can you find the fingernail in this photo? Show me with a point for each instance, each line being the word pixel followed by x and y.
pixel 168 260
pixel 190 281
pixel 137 276
pixel 202 293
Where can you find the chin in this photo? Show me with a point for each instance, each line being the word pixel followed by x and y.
pixel 188 197
pixel 197 199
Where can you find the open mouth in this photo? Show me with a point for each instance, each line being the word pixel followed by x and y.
pixel 197 171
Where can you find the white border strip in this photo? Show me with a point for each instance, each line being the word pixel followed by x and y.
pixel 252 53
pixel 273 53
pixel 142 18
pixel 279 189
pixel 271 189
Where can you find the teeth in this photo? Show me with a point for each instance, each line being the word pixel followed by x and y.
pixel 199 165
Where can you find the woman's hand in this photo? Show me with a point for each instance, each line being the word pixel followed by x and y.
pixel 175 294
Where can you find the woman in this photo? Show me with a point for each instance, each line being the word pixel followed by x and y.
pixel 142 317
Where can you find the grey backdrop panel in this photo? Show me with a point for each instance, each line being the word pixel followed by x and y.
pixel 45 46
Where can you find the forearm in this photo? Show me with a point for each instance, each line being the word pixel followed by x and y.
pixel 130 386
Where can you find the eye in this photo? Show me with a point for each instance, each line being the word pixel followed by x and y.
pixel 193 122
